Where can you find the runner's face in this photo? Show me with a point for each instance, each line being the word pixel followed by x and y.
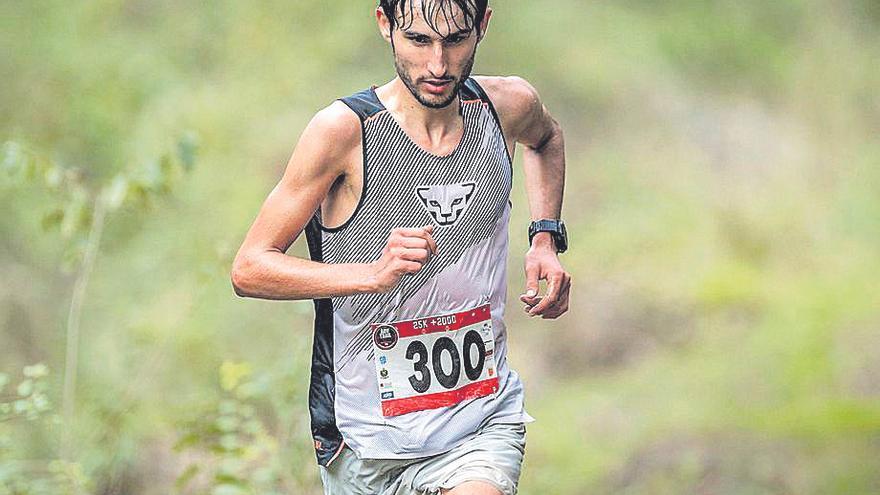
pixel 433 65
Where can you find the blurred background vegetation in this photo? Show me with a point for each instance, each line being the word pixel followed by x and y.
pixel 723 199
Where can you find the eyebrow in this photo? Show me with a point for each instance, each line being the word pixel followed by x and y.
pixel 460 32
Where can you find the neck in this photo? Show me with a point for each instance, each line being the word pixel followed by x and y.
pixel 435 122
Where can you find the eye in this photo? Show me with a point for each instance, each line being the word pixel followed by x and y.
pixel 433 203
pixel 419 39
pixel 457 201
pixel 454 40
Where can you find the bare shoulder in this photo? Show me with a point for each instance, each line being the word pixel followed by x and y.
pixel 515 99
pixel 510 92
pixel 329 142
pixel 337 126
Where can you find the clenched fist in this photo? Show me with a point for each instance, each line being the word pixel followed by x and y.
pixel 406 251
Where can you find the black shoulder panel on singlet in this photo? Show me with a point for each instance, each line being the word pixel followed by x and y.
pixel 364 103
pixel 470 90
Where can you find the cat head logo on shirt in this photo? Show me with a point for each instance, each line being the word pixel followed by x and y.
pixel 447 202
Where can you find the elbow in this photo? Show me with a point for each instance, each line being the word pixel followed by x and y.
pixel 241 276
pixel 552 139
pixel 556 136
pixel 238 289
pixel 555 144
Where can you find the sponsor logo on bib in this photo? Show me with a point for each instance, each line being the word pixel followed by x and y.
pixel 385 337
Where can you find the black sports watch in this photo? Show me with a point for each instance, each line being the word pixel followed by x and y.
pixel 556 228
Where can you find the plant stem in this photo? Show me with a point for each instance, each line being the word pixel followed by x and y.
pixel 73 322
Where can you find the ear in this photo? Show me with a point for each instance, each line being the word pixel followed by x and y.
pixel 384 24
pixel 469 186
pixel 484 24
pixel 421 191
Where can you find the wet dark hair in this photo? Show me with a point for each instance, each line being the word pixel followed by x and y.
pixel 437 13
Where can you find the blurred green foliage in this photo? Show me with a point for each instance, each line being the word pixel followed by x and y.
pixel 723 196
pixel 235 449
pixel 20 406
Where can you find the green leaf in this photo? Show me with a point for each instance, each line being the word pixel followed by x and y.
pixel 229 442
pixel 252 427
pixel 41 403
pixel 187 148
pixel 139 191
pixel 38 370
pixel 54 176
pixel 166 165
pixel 186 476
pixel 76 216
pixel 250 389
pixel 72 256
pixel 25 388
pixel 229 470
pixel 152 177
pixel 14 159
pixel 228 406
pixel 232 373
pixel 52 219
pixel 227 489
pixel 227 423
pixel 116 193
pixel 190 439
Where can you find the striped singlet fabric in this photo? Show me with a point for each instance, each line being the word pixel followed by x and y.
pixel 465 195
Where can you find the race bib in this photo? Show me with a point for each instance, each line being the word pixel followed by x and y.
pixel 433 362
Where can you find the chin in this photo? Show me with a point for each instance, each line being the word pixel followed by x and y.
pixel 436 101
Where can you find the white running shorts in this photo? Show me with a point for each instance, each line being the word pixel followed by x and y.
pixel 494 455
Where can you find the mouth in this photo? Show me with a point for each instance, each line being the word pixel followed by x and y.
pixel 437 87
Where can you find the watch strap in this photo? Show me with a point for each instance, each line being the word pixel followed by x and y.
pixel 556 229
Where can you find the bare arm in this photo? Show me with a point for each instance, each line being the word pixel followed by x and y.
pixel 526 120
pixel 261 267
pixel 327 148
pixel 543 149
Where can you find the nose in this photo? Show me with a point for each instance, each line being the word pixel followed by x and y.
pixel 437 62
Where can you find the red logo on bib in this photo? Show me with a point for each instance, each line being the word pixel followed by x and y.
pixel 385 337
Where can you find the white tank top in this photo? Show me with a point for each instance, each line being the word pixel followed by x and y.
pixel 418 370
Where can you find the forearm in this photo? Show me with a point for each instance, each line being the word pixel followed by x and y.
pixel 544 168
pixel 275 275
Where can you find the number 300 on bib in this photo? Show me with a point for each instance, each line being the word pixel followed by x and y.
pixel 433 362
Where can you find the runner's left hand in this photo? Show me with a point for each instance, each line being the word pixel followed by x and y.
pixel 542 263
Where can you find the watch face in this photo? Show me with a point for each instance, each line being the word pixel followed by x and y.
pixel 556 228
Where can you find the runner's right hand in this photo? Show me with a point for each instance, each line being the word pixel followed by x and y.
pixel 406 251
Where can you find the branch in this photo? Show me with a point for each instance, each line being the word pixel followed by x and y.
pixel 73 321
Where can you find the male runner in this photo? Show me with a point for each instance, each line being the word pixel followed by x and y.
pixel 403 192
